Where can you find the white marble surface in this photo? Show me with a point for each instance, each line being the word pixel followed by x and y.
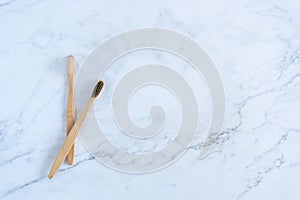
pixel 256 47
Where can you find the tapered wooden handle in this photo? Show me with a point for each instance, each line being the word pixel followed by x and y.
pixel 70 105
pixel 70 139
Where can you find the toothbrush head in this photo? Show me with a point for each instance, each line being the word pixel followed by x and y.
pixel 71 65
pixel 98 88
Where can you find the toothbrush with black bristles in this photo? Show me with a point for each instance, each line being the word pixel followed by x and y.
pixel 69 141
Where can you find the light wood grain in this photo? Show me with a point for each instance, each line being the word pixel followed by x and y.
pixel 70 106
pixel 67 145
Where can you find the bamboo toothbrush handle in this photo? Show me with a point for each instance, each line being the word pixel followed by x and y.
pixel 71 106
pixel 70 139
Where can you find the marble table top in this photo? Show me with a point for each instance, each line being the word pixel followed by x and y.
pixel 255 46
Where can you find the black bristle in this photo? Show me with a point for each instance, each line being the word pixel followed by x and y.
pixel 98 88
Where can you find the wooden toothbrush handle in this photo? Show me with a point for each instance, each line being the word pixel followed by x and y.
pixel 71 115
pixel 69 141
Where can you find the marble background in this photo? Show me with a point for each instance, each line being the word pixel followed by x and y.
pixel 255 46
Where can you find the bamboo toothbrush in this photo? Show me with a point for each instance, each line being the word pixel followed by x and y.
pixel 71 106
pixel 74 131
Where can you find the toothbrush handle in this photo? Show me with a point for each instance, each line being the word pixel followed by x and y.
pixel 69 141
pixel 71 106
